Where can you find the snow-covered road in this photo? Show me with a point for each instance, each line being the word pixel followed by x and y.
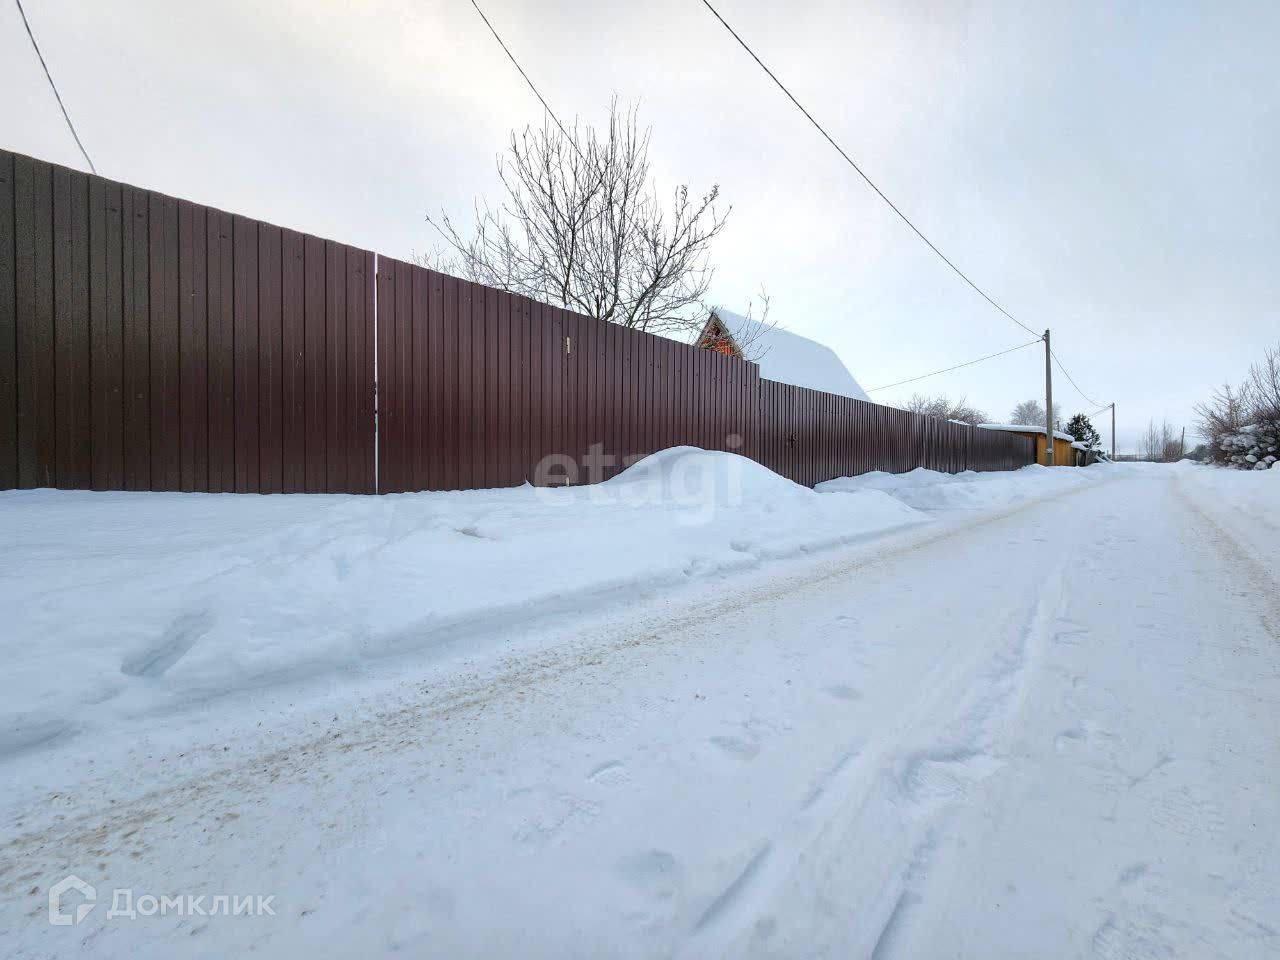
pixel 1051 730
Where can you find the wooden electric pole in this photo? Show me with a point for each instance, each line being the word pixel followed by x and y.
pixel 1048 402
pixel 1113 430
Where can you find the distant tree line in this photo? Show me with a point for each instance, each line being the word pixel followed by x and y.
pixel 1028 413
pixel 1161 443
pixel 944 408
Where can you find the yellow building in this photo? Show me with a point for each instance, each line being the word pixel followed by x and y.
pixel 1064 455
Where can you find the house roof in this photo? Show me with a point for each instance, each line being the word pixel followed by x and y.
pixel 788 357
pixel 1023 428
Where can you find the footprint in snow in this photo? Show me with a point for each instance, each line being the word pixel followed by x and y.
pixel 654 872
pixel 26 733
pixel 341 565
pixel 1134 873
pixel 610 774
pixel 1066 738
pixel 739 748
pixel 843 692
pixel 171 646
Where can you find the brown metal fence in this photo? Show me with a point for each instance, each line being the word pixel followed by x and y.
pixel 811 436
pixel 483 388
pixel 149 343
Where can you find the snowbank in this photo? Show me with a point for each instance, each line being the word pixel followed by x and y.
pixel 1246 503
pixel 135 602
pixel 930 490
pixel 1253 447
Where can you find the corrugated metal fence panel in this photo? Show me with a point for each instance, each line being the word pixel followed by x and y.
pixel 33 228
pixel 8 328
pixel 482 388
pixel 458 393
pixel 148 343
pixel 810 436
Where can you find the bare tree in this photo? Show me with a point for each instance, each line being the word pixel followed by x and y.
pixel 1221 416
pixel 1031 413
pixel 1262 387
pixel 942 408
pixel 1161 443
pixel 582 226
pixel 1242 424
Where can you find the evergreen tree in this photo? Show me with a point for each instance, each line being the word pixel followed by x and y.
pixel 1084 431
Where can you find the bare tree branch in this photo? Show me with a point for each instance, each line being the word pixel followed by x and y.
pixel 944 409
pixel 582 226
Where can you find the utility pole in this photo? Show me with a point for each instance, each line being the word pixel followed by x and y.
pixel 1113 430
pixel 1182 444
pixel 1048 402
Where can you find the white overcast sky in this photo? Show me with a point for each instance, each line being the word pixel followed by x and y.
pixel 1105 169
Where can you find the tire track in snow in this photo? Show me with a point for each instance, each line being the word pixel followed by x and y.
pixel 915 787
pixel 1143 918
pixel 1135 880
pixel 939 781
pixel 1263 585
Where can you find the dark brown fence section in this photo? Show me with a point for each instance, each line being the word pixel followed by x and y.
pixel 148 343
pixel 992 450
pixel 811 436
pixel 462 386
pixel 483 388
pixel 629 394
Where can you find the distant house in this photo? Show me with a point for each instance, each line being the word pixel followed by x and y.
pixel 783 356
pixel 1064 453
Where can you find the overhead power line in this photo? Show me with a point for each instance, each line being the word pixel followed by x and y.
pixel 831 140
pixel 849 160
pixel 516 63
pixel 1072 381
pixel 57 96
pixel 967 363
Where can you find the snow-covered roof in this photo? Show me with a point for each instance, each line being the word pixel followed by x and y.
pixel 1023 428
pixel 1081 445
pixel 790 358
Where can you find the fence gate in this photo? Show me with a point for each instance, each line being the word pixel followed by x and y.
pixel 483 388
pixel 465 377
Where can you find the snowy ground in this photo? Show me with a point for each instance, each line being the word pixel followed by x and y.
pixel 1012 715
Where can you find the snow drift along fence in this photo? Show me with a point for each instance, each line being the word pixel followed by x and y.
pixel 150 343
pixel 811 436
